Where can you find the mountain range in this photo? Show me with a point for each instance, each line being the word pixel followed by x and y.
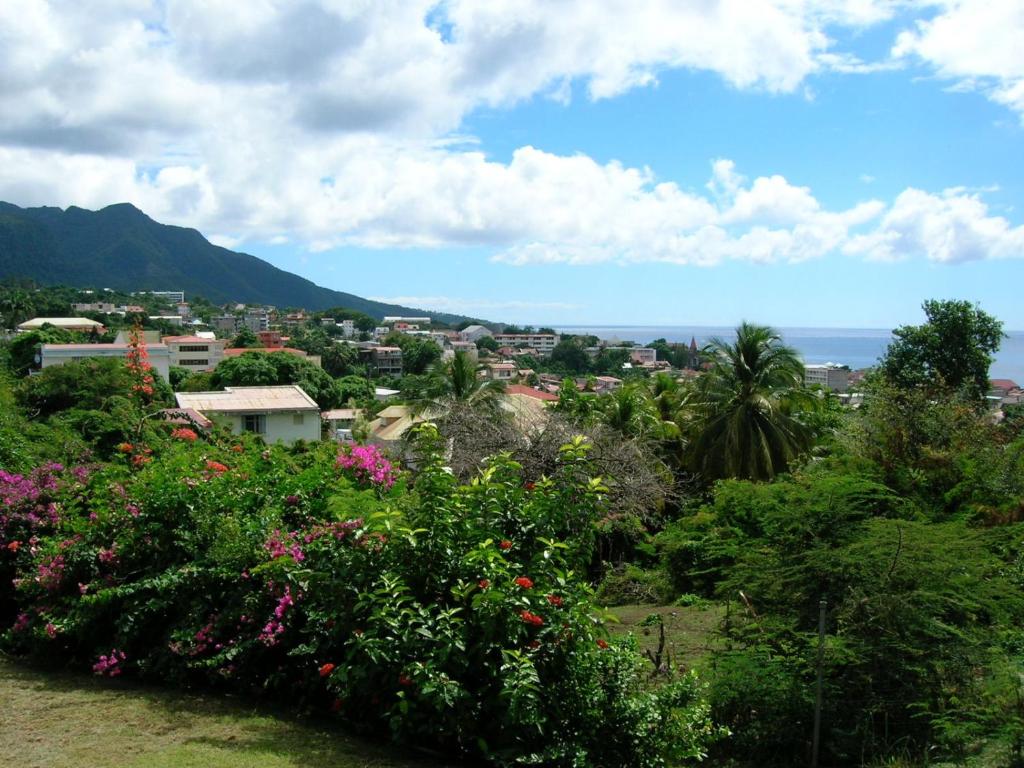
pixel 122 248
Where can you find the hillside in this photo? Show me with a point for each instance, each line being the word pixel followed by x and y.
pixel 120 247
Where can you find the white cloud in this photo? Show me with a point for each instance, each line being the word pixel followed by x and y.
pixel 948 228
pixel 977 43
pixel 332 123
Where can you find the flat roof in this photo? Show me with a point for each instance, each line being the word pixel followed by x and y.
pixel 38 322
pixel 100 347
pixel 196 339
pixel 288 397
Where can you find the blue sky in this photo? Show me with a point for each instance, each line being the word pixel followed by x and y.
pixel 803 164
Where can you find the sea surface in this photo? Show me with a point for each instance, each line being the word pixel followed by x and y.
pixel 855 347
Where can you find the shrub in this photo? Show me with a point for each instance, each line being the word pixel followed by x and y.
pixel 627 584
pixel 443 614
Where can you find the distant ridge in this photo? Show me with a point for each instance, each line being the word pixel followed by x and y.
pixel 120 247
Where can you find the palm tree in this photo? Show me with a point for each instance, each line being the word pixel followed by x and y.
pixel 457 383
pixel 629 410
pixel 749 404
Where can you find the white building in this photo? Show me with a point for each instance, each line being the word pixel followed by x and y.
pixel 828 375
pixel 541 342
pixel 474 333
pixel 100 306
pixel 348 328
pixel 195 353
pixel 414 320
pixel 57 354
pixel 174 297
pixel 278 414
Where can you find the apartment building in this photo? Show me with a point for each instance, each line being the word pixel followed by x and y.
pixel 543 343
pixel 58 354
pixel 387 360
pixel 195 353
pixel 97 306
pixel 828 375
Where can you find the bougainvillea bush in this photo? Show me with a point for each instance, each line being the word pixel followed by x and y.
pixel 442 615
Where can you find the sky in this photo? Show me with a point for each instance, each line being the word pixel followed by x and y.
pixel 637 162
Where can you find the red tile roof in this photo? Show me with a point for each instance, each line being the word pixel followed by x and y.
pixel 519 389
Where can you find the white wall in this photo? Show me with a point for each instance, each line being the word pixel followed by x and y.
pixel 281 427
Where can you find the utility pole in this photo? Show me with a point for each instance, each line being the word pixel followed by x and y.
pixel 815 744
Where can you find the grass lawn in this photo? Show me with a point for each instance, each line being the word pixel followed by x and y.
pixel 56 719
pixel 689 632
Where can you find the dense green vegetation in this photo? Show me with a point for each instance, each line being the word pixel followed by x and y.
pixel 455 602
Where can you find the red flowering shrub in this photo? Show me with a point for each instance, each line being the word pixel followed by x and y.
pixel 184 433
pixel 188 579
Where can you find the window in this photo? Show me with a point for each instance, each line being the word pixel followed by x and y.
pixel 194 348
pixel 298 418
pixel 254 423
pixel 195 361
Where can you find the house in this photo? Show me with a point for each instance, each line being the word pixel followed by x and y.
pixel 474 333
pixel 270 339
pixel 528 406
pixel 543 343
pixel 282 414
pixel 829 375
pixel 391 424
pixel 57 354
pixel 501 371
pixel 1001 387
pixel 195 353
pixel 339 422
pixel 76 324
pixel 467 347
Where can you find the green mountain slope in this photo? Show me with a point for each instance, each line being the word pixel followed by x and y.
pixel 120 247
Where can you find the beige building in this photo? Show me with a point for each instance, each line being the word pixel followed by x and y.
pixel 57 354
pixel 78 324
pixel 502 371
pixel 281 414
pixel 195 353
pixel 543 343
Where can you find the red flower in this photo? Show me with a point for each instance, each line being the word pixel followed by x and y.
pixel 126 448
pixel 216 466
pixel 403 680
pixel 602 644
pixel 13 546
pixel 505 544
pixel 533 645
pixel 184 433
pixel 139 460
pixel 326 669
pixel 555 600
pixel 484 583
pixel 237 448
pixel 530 486
pixel 524 582
pixel 531 618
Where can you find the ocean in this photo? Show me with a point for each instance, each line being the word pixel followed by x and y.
pixel 855 347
